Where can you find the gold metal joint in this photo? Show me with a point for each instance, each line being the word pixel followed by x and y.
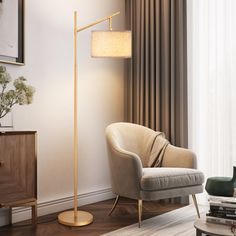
pixel 110 23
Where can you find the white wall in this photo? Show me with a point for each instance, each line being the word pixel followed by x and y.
pixel 49 68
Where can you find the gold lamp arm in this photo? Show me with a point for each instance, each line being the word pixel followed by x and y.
pixel 99 21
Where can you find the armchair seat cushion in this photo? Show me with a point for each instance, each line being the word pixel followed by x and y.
pixel 161 178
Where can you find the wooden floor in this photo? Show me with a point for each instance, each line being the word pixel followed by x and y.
pixel 124 214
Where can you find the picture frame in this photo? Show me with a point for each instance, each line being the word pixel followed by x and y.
pixel 15 54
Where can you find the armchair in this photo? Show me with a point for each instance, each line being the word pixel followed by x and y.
pixel 129 147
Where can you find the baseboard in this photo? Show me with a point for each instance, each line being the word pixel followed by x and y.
pixel 44 208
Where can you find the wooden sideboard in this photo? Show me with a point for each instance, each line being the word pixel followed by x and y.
pixel 18 171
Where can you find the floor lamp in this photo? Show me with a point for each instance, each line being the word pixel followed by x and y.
pixel 114 44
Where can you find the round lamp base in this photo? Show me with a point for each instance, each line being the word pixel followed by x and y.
pixel 68 218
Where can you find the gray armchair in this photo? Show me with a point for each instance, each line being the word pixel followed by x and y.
pixel 129 147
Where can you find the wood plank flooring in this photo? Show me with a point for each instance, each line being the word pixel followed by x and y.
pixel 124 214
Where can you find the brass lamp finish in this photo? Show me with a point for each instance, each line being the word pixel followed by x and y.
pixel 75 217
pixel 68 218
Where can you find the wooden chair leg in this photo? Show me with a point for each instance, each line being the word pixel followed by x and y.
pixel 10 215
pixel 114 205
pixel 34 214
pixel 140 207
pixel 196 205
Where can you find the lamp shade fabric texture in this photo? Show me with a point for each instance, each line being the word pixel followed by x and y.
pixel 128 150
pixel 111 44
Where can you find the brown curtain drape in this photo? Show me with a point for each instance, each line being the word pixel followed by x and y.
pixel 156 81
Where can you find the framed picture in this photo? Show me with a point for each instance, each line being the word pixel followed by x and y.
pixel 12 32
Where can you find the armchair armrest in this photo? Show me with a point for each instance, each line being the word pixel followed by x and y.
pixel 125 170
pixel 179 157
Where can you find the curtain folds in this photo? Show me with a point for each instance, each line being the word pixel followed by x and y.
pixel 212 84
pixel 156 81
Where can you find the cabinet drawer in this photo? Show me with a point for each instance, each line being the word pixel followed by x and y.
pixel 17 167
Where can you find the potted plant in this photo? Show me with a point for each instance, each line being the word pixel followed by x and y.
pixel 20 93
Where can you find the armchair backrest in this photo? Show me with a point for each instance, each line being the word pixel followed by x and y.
pixel 131 137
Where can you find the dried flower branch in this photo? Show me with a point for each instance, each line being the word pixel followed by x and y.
pixel 22 93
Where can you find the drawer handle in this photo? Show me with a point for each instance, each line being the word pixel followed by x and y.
pixel 1 163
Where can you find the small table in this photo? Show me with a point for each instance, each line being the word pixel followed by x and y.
pixel 203 227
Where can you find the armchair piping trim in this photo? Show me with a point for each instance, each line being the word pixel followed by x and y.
pixel 167 176
pixel 159 190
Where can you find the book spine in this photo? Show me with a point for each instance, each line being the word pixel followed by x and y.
pixel 221 204
pixel 216 220
pixel 222 199
pixel 220 215
pixel 223 210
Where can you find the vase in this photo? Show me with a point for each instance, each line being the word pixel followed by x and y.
pixel 6 123
pixel 221 186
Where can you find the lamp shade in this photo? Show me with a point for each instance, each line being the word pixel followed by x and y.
pixel 111 44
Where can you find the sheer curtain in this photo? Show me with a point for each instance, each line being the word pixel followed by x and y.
pixel 212 84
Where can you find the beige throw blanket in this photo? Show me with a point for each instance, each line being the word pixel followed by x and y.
pixel 157 150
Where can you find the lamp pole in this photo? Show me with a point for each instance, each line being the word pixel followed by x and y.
pixel 75 120
pixel 75 217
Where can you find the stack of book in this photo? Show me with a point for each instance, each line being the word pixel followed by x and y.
pixel 222 210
